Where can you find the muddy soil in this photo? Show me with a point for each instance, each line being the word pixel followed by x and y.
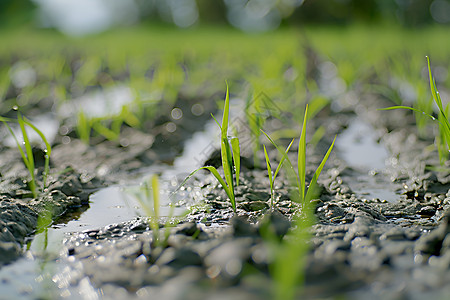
pixel 360 246
pixel 78 170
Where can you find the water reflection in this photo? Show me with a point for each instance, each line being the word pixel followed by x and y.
pixel 357 145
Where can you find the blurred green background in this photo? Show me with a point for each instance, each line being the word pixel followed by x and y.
pixel 81 17
pixel 156 52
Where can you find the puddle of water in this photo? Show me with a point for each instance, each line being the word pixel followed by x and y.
pixel 358 147
pixel 110 205
pixel 23 280
pixel 30 277
pixel 101 103
pixel 369 186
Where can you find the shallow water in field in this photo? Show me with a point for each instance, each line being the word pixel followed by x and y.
pixel 359 148
pixel 30 277
pixel 357 145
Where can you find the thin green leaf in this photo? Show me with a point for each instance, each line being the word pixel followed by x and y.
pixel 26 141
pixel 313 183
pixel 282 160
pixel 84 127
pixel 41 135
pixel 19 147
pixel 269 167
pixel 433 86
pixel 228 189
pixel 410 108
pixel 437 98
pixel 225 146
pixel 301 161
pixel 216 174
pixel 218 124
pixel 226 110
pixel 47 154
pixel 29 154
pixel 236 157
pixel 226 163
pixel 3 119
pixel 101 129
pixel 155 190
pixel 269 172
pixel 284 155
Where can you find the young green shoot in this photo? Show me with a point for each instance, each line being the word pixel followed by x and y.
pixel 84 126
pixel 443 138
pixel 304 194
pixel 27 154
pixel 148 198
pixel 47 151
pixel 288 266
pixel 272 175
pixel 230 158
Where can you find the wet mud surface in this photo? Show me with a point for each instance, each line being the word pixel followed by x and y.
pixel 380 230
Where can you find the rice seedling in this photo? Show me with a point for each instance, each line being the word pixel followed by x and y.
pixel 148 197
pixel 230 158
pixel 27 154
pixel 287 267
pixel 149 200
pixel 167 79
pixel 109 127
pixel 304 194
pixel 111 134
pixel 443 138
pixel 272 175
pixel 84 127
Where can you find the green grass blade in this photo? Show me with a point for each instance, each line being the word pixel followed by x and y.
pixel 434 91
pixel 84 127
pixel 29 154
pixel 47 154
pixel 282 160
pixel 226 163
pixel 3 119
pixel 437 98
pixel 228 189
pixel 226 110
pixel 218 177
pixel 269 167
pixel 313 183
pixel 284 155
pixel 218 124
pixel 41 135
pixel 269 172
pixel 301 160
pixel 225 146
pixel 413 109
pixel 19 147
pixel 101 129
pixel 26 140
pixel 155 190
pixel 236 157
